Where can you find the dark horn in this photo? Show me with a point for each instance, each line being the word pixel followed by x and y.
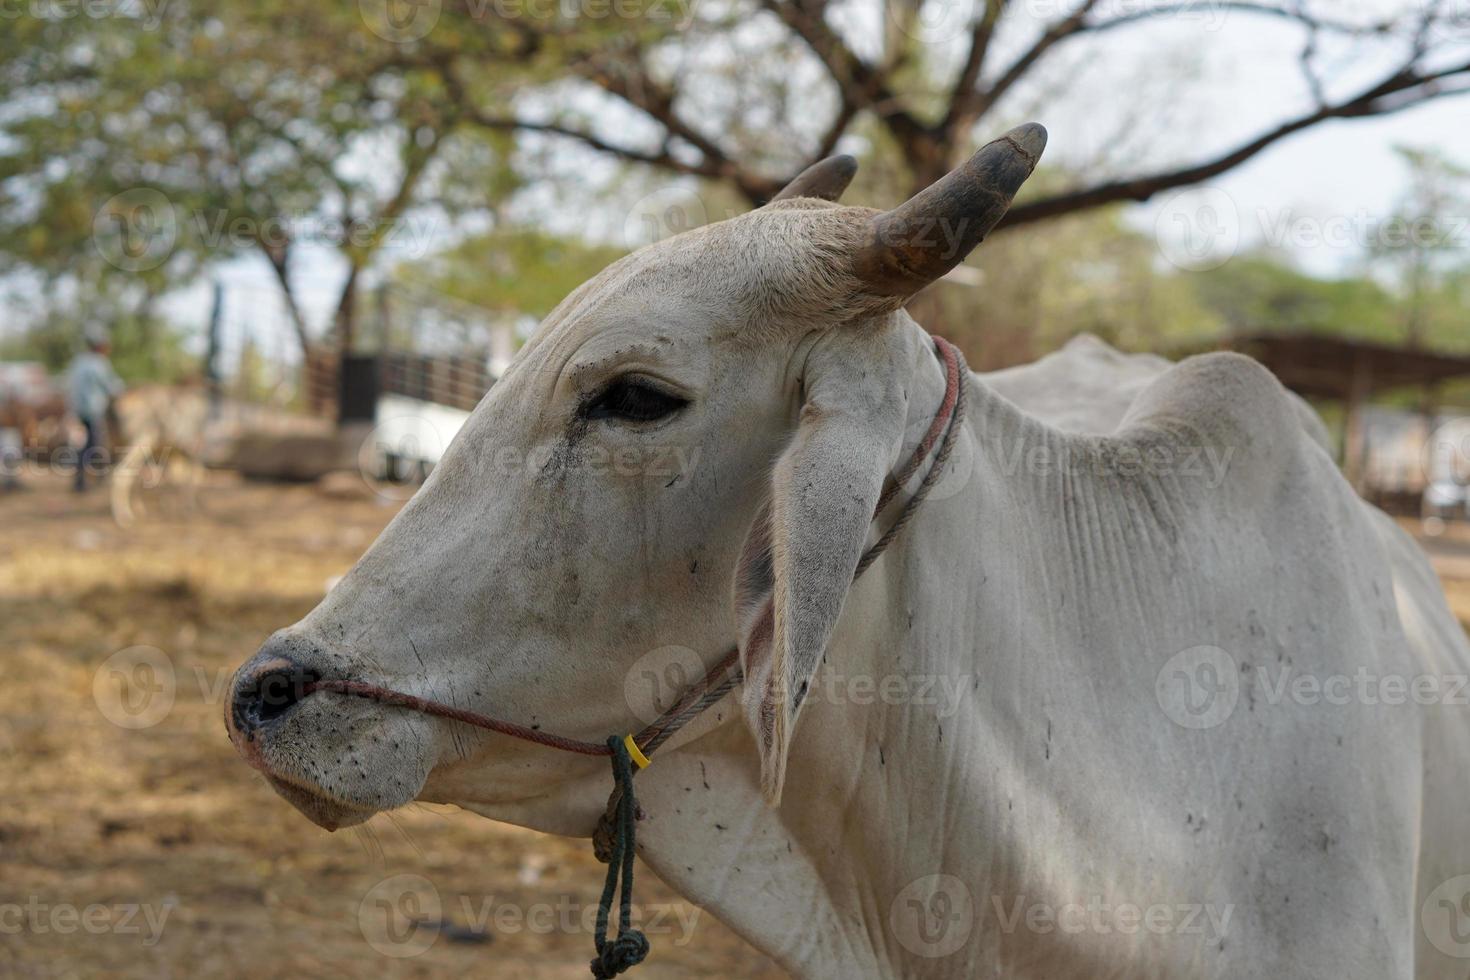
pixel 932 232
pixel 825 179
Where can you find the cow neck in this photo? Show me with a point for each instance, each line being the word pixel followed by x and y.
pixel 614 840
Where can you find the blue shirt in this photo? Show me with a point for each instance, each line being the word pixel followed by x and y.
pixel 91 385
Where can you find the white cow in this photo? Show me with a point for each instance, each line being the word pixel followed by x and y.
pixel 1122 701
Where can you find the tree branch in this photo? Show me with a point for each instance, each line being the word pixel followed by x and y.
pixel 1399 91
pixel 630 81
pixel 964 99
pixel 278 255
pixel 661 159
pixel 640 93
pixel 1076 24
pixel 1069 26
pixel 862 85
pixel 416 160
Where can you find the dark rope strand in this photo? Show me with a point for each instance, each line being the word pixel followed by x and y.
pixel 630 946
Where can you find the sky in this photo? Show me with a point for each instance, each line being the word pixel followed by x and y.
pixel 1171 92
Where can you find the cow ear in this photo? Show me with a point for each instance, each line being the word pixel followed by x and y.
pixel 804 545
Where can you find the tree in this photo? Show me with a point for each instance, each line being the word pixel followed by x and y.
pixel 488 270
pixel 264 124
pixel 1424 237
pixel 1257 292
pixel 171 135
pixel 927 113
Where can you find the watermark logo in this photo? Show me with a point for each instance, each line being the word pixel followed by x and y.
pixel 1198 229
pixel 934 21
pixel 139 687
pixel 1445 458
pixel 1445 916
pixel 400 448
pixel 933 916
pixel 659 678
pixel 400 21
pixel 136 230
pixel 400 916
pixel 1448 20
pixel 664 213
pixel 944 693
pixel 134 688
pixel 958 468
pixel 1198 688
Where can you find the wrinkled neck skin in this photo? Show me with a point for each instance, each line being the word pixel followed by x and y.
pixel 809 883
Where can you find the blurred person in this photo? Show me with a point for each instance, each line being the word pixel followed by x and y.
pixel 92 384
pixel 11 454
pixel 11 440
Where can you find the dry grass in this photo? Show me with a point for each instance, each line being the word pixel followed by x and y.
pixel 167 818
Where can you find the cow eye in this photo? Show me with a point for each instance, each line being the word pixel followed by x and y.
pixel 633 400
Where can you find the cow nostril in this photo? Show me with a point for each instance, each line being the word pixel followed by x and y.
pixel 269 695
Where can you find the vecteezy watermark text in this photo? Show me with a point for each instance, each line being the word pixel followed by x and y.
pixel 64 919
pixel 1186 460
pixel 1099 916
pixel 405 914
pixel 1199 688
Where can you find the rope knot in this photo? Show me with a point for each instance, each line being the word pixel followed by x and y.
pixel 627 949
pixel 622 953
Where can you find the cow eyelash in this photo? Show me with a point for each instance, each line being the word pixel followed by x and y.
pixel 632 399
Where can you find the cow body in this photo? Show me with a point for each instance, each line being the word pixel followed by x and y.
pixel 1087 832
pixel 1127 698
pixel 1428 646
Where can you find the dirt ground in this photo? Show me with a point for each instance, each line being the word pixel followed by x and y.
pixel 145 848
pixel 141 846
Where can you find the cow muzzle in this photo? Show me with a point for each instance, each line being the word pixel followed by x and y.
pixel 265 690
pixel 337 760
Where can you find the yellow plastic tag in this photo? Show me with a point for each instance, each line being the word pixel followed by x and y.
pixel 635 753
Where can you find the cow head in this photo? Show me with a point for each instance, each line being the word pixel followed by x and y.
pixel 716 412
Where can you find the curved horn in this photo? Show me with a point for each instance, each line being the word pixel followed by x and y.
pixel 825 179
pixel 932 232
